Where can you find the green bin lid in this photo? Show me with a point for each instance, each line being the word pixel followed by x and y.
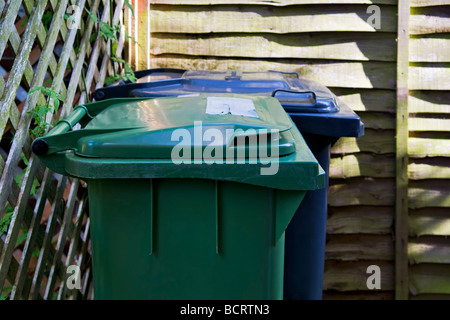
pixel 153 128
pixel 136 138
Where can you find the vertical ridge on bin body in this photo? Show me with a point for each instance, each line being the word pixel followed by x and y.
pixel 152 220
pixel 216 197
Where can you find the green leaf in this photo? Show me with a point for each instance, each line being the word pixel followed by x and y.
pixel 92 15
pixel 34 89
pixel 117 59
pixel 21 238
pixel 5 222
pixel 56 105
pixel 130 6
pixel 36 253
pixel 112 79
pixel 48 81
pixel 24 22
pixel 35 186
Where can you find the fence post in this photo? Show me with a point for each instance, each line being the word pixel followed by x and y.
pixel 401 200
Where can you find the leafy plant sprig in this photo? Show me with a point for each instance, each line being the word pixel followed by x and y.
pixel 109 32
pixel 40 111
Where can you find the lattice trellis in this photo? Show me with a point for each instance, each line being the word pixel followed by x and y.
pixel 44 218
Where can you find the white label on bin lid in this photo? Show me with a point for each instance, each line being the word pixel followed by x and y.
pixel 188 95
pixel 229 105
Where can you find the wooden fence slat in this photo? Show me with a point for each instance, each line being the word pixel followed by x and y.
pixel 429 168
pixel 427 147
pixel 430 279
pixel 361 191
pixel 371 74
pixel 362 164
pixel 335 46
pixel 427 3
pixel 428 193
pixel 429 102
pixel 360 220
pixel 265 19
pixel 429 250
pixel 374 141
pixel 378 120
pixel 430 49
pixel 430 77
pixel 352 276
pixel 429 20
pixel 428 124
pixel 356 247
pixel 367 99
pixel 429 222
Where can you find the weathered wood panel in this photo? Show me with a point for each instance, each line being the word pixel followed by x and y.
pixel 429 222
pixel 429 250
pixel 352 276
pixel 429 168
pixel 428 147
pixel 377 120
pixel 429 101
pixel 374 141
pixel 429 20
pixel 360 220
pixel 266 19
pixel 429 77
pixel 362 165
pixel 369 74
pixel 344 46
pixel 367 99
pixel 359 247
pixel 428 193
pixel 430 49
pixel 361 191
pixel 430 279
pixel 417 123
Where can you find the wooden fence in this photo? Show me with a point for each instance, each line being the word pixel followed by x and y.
pixel 44 221
pixel 389 190
pixel 389 194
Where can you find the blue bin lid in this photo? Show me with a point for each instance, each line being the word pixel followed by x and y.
pixel 312 106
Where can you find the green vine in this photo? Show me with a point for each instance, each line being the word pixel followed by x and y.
pixel 39 113
pixel 105 31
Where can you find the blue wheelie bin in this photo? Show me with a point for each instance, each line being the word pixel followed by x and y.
pixel 321 119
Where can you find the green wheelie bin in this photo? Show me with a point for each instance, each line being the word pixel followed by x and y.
pixel 189 196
